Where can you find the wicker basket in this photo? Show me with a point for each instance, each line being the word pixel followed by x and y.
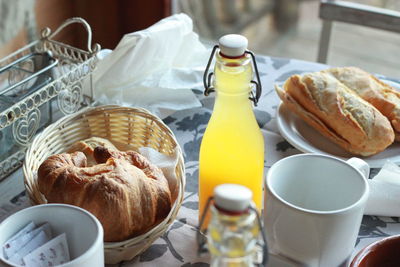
pixel 131 126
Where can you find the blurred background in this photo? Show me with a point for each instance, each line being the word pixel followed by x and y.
pixel 280 28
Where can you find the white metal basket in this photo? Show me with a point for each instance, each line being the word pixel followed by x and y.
pixel 71 89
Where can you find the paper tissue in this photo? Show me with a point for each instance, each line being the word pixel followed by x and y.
pixel 384 196
pixel 154 68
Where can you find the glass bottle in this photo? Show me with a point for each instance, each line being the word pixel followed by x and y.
pixel 234 228
pixel 232 148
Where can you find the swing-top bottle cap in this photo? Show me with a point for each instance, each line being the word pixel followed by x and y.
pixel 232 197
pixel 233 45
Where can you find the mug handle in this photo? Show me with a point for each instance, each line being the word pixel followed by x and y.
pixel 360 165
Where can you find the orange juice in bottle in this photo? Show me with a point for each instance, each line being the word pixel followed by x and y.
pixel 232 148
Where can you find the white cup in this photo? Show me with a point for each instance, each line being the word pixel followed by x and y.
pixel 83 231
pixel 313 208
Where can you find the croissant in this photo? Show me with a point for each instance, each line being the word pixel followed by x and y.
pixel 127 193
pixel 337 113
pixel 87 146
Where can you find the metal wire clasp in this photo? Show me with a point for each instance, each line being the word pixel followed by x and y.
pixel 201 238
pixel 208 77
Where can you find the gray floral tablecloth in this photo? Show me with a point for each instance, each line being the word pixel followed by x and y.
pixel 177 247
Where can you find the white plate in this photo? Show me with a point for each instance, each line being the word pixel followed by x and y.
pixel 306 139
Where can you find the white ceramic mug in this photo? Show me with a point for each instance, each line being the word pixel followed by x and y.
pixel 313 208
pixel 83 231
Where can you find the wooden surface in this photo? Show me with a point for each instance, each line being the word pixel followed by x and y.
pixel 51 14
pixel 103 21
pixel 110 19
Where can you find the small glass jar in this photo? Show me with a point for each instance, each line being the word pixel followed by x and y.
pixel 233 232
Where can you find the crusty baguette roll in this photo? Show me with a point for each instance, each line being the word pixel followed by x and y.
pixel 381 95
pixel 337 113
pixel 127 193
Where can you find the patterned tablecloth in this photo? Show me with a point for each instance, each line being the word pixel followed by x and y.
pixel 177 247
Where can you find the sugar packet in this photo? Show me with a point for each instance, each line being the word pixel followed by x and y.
pixel 9 248
pixel 40 239
pixel 52 253
pixel 16 244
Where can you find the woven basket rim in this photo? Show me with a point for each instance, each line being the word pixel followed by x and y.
pixel 154 232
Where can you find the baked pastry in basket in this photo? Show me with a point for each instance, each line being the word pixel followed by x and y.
pixel 127 193
pixel 337 112
pixel 87 146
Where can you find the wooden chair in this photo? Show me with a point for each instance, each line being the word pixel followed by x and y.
pixel 359 14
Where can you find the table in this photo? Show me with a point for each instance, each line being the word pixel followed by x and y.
pixel 177 247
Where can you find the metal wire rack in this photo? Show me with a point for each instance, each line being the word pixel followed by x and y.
pixel 70 89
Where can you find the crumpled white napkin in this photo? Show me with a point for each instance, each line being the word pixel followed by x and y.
pixel 167 164
pixel 154 68
pixel 384 196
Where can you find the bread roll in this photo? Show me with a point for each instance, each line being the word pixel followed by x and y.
pixel 337 113
pixel 127 193
pixel 381 95
pixel 87 146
